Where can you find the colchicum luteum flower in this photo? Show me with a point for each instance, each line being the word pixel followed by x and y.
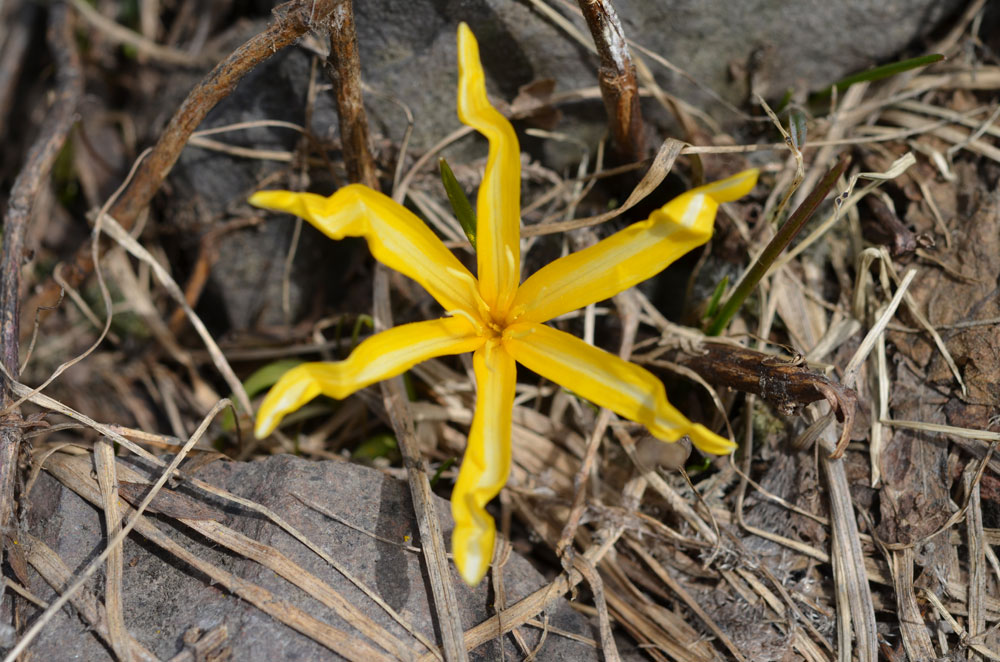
pixel 501 322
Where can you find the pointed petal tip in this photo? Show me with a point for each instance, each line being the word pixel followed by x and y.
pixel 734 187
pixel 472 549
pixel 708 442
pixel 276 200
pixel 264 426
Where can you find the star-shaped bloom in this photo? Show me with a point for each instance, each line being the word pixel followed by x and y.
pixel 493 317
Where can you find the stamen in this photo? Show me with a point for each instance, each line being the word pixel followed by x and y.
pixel 473 284
pixel 476 324
pixel 517 334
pixel 514 313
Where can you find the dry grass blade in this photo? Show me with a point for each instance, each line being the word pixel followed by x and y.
pixel 107 479
pixel 977 552
pixel 148 48
pixel 851 371
pixel 854 597
pixel 658 170
pixel 432 541
pixel 967 433
pixel 76 475
pixel 118 233
pixel 116 540
pixel 48 564
pixel 916 639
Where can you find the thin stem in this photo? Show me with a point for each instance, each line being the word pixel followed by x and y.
pixel 38 164
pixel 345 69
pixel 295 18
pixel 617 79
pixel 777 245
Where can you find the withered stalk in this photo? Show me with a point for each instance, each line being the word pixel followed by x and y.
pixel 616 78
pixel 345 69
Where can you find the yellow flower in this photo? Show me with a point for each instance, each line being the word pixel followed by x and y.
pixel 491 316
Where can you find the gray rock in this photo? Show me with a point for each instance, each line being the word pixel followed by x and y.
pixel 407 46
pixel 408 52
pixel 163 598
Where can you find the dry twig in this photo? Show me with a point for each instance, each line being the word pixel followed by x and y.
pixel 41 157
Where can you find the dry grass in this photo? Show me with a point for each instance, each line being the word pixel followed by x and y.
pixel 778 553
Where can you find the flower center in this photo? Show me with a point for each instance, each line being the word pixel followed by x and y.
pixel 492 328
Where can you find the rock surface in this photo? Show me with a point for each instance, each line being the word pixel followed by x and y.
pixel 408 55
pixel 164 598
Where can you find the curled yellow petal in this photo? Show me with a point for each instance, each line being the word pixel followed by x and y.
pixel 384 355
pixel 486 463
pixel 396 237
pixel 498 205
pixel 628 257
pixel 606 380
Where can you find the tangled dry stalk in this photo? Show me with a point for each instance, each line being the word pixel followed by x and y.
pixel 790 550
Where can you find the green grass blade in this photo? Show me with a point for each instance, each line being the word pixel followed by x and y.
pixel 464 212
pixel 878 73
pixel 778 244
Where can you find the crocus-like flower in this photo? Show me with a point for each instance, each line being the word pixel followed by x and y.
pixel 500 322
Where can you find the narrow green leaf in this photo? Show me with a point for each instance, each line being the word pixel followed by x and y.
pixel 878 73
pixel 697 467
pixel 786 99
pixel 464 212
pixel 380 445
pixel 447 464
pixel 779 243
pixel 713 304
pixel 362 321
pixel 797 128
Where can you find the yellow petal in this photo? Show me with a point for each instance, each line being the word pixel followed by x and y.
pixel 397 238
pixel 606 380
pixel 498 206
pixel 486 463
pixel 384 355
pixel 626 258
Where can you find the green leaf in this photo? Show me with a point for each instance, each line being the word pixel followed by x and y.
pixel 447 464
pixel 381 445
pixel 697 467
pixel 464 212
pixel 362 321
pixel 878 73
pixel 713 304
pixel 774 248
pixel 261 379
pixel 797 128
pixel 784 101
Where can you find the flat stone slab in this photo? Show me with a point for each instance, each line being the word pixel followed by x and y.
pixel 164 598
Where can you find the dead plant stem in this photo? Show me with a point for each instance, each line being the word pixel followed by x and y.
pixel 34 174
pixel 345 69
pixel 617 79
pixel 293 20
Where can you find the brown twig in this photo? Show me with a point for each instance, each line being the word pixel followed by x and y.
pixel 293 19
pixel 785 383
pixel 15 46
pixel 38 164
pixel 432 542
pixel 345 69
pixel 617 79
